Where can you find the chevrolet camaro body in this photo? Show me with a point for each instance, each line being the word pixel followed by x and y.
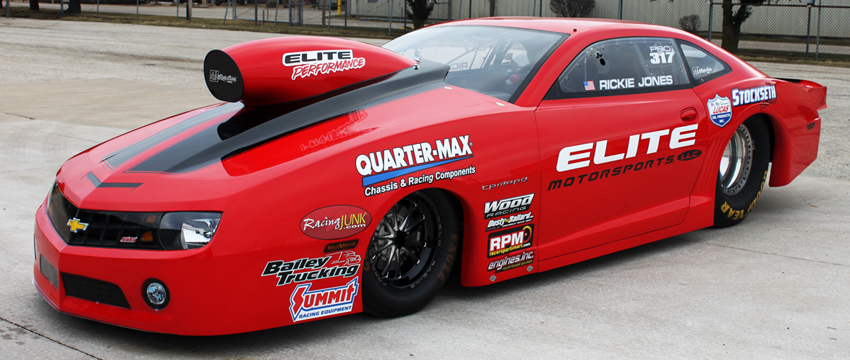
pixel 578 139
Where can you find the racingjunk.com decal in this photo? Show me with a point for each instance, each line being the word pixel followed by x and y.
pixel 719 110
pixel 342 264
pixel 509 261
pixel 335 222
pixel 388 164
pixel 766 93
pixel 311 63
pixel 510 240
pixel 306 304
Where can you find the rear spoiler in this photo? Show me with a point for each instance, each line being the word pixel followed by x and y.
pixel 816 92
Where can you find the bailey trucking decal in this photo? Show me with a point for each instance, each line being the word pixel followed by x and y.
pixel 508 221
pixel 335 222
pixel 342 264
pixel 389 164
pixel 510 240
pixel 504 183
pixel 509 262
pixel 306 304
pixel 216 76
pixel 315 62
pixel 753 95
pixel 719 110
pixel 508 206
pixel 572 157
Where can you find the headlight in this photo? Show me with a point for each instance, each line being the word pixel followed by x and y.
pixel 187 230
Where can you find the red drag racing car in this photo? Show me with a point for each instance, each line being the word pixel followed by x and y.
pixel 339 177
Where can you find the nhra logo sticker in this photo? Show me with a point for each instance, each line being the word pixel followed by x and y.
pixel 306 304
pixel 511 261
pixel 509 221
pixel 511 240
pixel 215 76
pixel 310 63
pixel 507 206
pixel 344 264
pixel 719 110
pixel 335 222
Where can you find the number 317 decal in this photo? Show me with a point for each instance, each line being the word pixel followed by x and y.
pixel 661 54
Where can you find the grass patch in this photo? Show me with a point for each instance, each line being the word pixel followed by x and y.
pixel 203 23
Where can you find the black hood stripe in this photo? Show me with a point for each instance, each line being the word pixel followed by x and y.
pixel 210 146
pixel 97 183
pixel 119 157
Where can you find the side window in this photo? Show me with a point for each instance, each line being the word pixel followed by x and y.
pixel 623 66
pixel 702 65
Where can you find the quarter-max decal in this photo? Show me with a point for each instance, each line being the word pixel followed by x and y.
pixel 305 304
pixel 335 222
pixel 386 164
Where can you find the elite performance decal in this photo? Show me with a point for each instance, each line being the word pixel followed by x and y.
pixel 345 264
pixel 311 63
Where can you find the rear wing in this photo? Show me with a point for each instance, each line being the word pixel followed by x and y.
pixel 816 92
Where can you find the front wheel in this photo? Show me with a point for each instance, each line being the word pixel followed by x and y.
pixel 742 173
pixel 410 255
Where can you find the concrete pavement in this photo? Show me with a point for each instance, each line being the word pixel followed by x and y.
pixel 775 287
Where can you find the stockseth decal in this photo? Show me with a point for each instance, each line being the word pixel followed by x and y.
pixel 335 222
pixel 215 76
pixel 509 221
pixel 621 170
pixel 504 183
pixel 511 240
pixel 719 110
pixel 571 157
pixel 387 164
pixel 507 206
pixel 753 95
pixel 306 304
pixel 310 63
pixel 342 264
pixel 511 261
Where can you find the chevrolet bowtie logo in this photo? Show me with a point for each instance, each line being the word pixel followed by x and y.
pixel 75 225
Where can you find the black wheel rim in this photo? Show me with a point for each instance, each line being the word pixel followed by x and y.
pixel 404 244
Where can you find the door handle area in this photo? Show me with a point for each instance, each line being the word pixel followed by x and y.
pixel 689 114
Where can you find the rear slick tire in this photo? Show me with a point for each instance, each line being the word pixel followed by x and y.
pixel 742 173
pixel 410 255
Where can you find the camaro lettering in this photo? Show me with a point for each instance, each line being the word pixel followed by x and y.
pixel 579 156
pixel 753 95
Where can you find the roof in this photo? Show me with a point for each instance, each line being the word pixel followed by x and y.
pixel 562 25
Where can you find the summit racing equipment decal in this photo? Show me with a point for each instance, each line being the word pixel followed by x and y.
pixel 511 261
pixel 387 164
pixel 572 157
pixel 753 95
pixel 509 221
pixel 305 304
pixel 621 170
pixel 507 206
pixel 335 222
pixel 215 76
pixel 719 110
pixel 309 63
pixel 510 240
pixel 344 264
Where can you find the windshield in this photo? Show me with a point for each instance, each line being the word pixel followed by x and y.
pixel 491 60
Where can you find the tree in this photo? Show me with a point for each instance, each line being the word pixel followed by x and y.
pixel 33 5
pixel 419 11
pixel 572 8
pixel 492 7
pixel 74 7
